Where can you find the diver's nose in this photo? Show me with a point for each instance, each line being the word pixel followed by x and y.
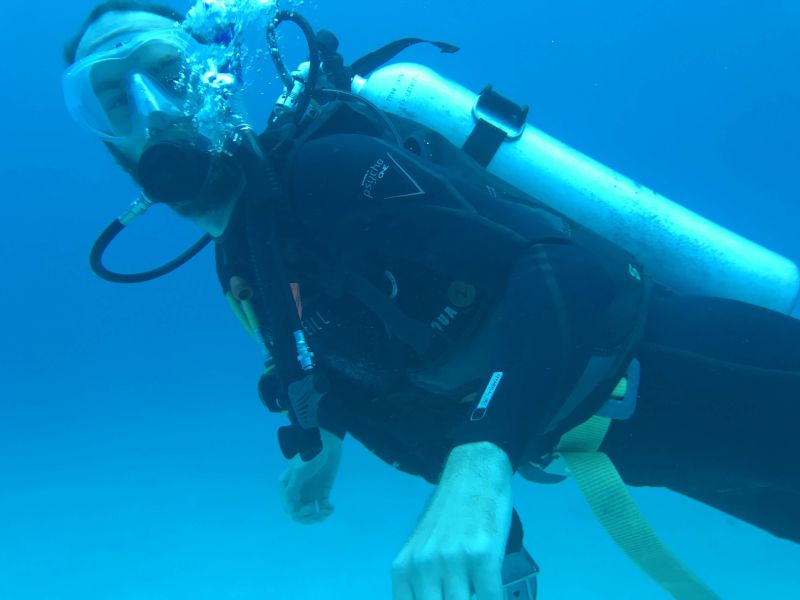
pixel 150 100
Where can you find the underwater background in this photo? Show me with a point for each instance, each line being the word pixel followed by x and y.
pixel 136 461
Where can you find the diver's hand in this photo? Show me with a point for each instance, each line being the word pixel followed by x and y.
pixel 305 486
pixel 457 548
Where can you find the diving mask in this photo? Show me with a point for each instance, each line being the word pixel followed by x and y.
pixel 115 92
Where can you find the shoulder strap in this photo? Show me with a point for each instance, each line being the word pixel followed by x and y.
pixel 377 58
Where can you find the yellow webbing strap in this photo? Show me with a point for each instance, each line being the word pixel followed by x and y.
pixel 621 388
pixel 245 313
pixel 613 506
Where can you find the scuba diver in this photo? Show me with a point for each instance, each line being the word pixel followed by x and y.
pixel 457 327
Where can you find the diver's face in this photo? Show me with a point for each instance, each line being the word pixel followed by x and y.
pixel 130 74
pixel 134 83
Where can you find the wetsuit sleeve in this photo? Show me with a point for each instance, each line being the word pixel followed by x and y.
pixel 330 418
pixel 555 300
pixel 335 407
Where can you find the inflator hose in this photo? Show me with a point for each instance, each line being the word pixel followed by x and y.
pixel 112 231
pixel 262 199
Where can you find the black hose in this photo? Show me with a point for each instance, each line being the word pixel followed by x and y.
pixel 314 58
pixel 350 96
pixel 112 231
pixel 262 198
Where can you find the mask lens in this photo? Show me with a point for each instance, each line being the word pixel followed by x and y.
pixel 98 88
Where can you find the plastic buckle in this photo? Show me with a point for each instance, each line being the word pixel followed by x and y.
pixel 519 576
pixel 500 112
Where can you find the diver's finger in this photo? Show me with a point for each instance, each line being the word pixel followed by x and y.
pixel 401 586
pixel 456 586
pixel 313 513
pixel 488 582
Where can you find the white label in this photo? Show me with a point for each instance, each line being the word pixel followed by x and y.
pixel 488 394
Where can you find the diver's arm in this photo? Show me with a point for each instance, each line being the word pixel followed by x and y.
pixel 459 543
pixel 305 487
pixel 554 303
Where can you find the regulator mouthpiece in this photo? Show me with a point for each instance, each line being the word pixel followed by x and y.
pixel 174 168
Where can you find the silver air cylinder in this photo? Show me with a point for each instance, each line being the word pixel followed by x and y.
pixel 679 248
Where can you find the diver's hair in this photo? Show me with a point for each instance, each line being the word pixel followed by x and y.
pixel 71 47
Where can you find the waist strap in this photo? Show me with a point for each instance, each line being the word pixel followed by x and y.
pixel 610 501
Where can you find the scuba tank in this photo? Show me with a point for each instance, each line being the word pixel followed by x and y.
pixel 679 248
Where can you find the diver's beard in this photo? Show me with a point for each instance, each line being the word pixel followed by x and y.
pixel 221 189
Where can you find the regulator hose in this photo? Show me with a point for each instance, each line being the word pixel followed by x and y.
pixel 111 232
pixel 314 57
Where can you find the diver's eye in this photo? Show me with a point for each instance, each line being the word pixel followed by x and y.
pixel 116 106
pixel 116 101
pixel 112 97
pixel 170 73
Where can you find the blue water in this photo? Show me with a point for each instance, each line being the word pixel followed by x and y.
pixel 135 459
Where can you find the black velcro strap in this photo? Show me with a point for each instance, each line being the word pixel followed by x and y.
pixel 416 334
pixel 484 142
pixel 369 62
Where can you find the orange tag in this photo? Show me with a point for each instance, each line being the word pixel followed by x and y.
pixel 297 301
